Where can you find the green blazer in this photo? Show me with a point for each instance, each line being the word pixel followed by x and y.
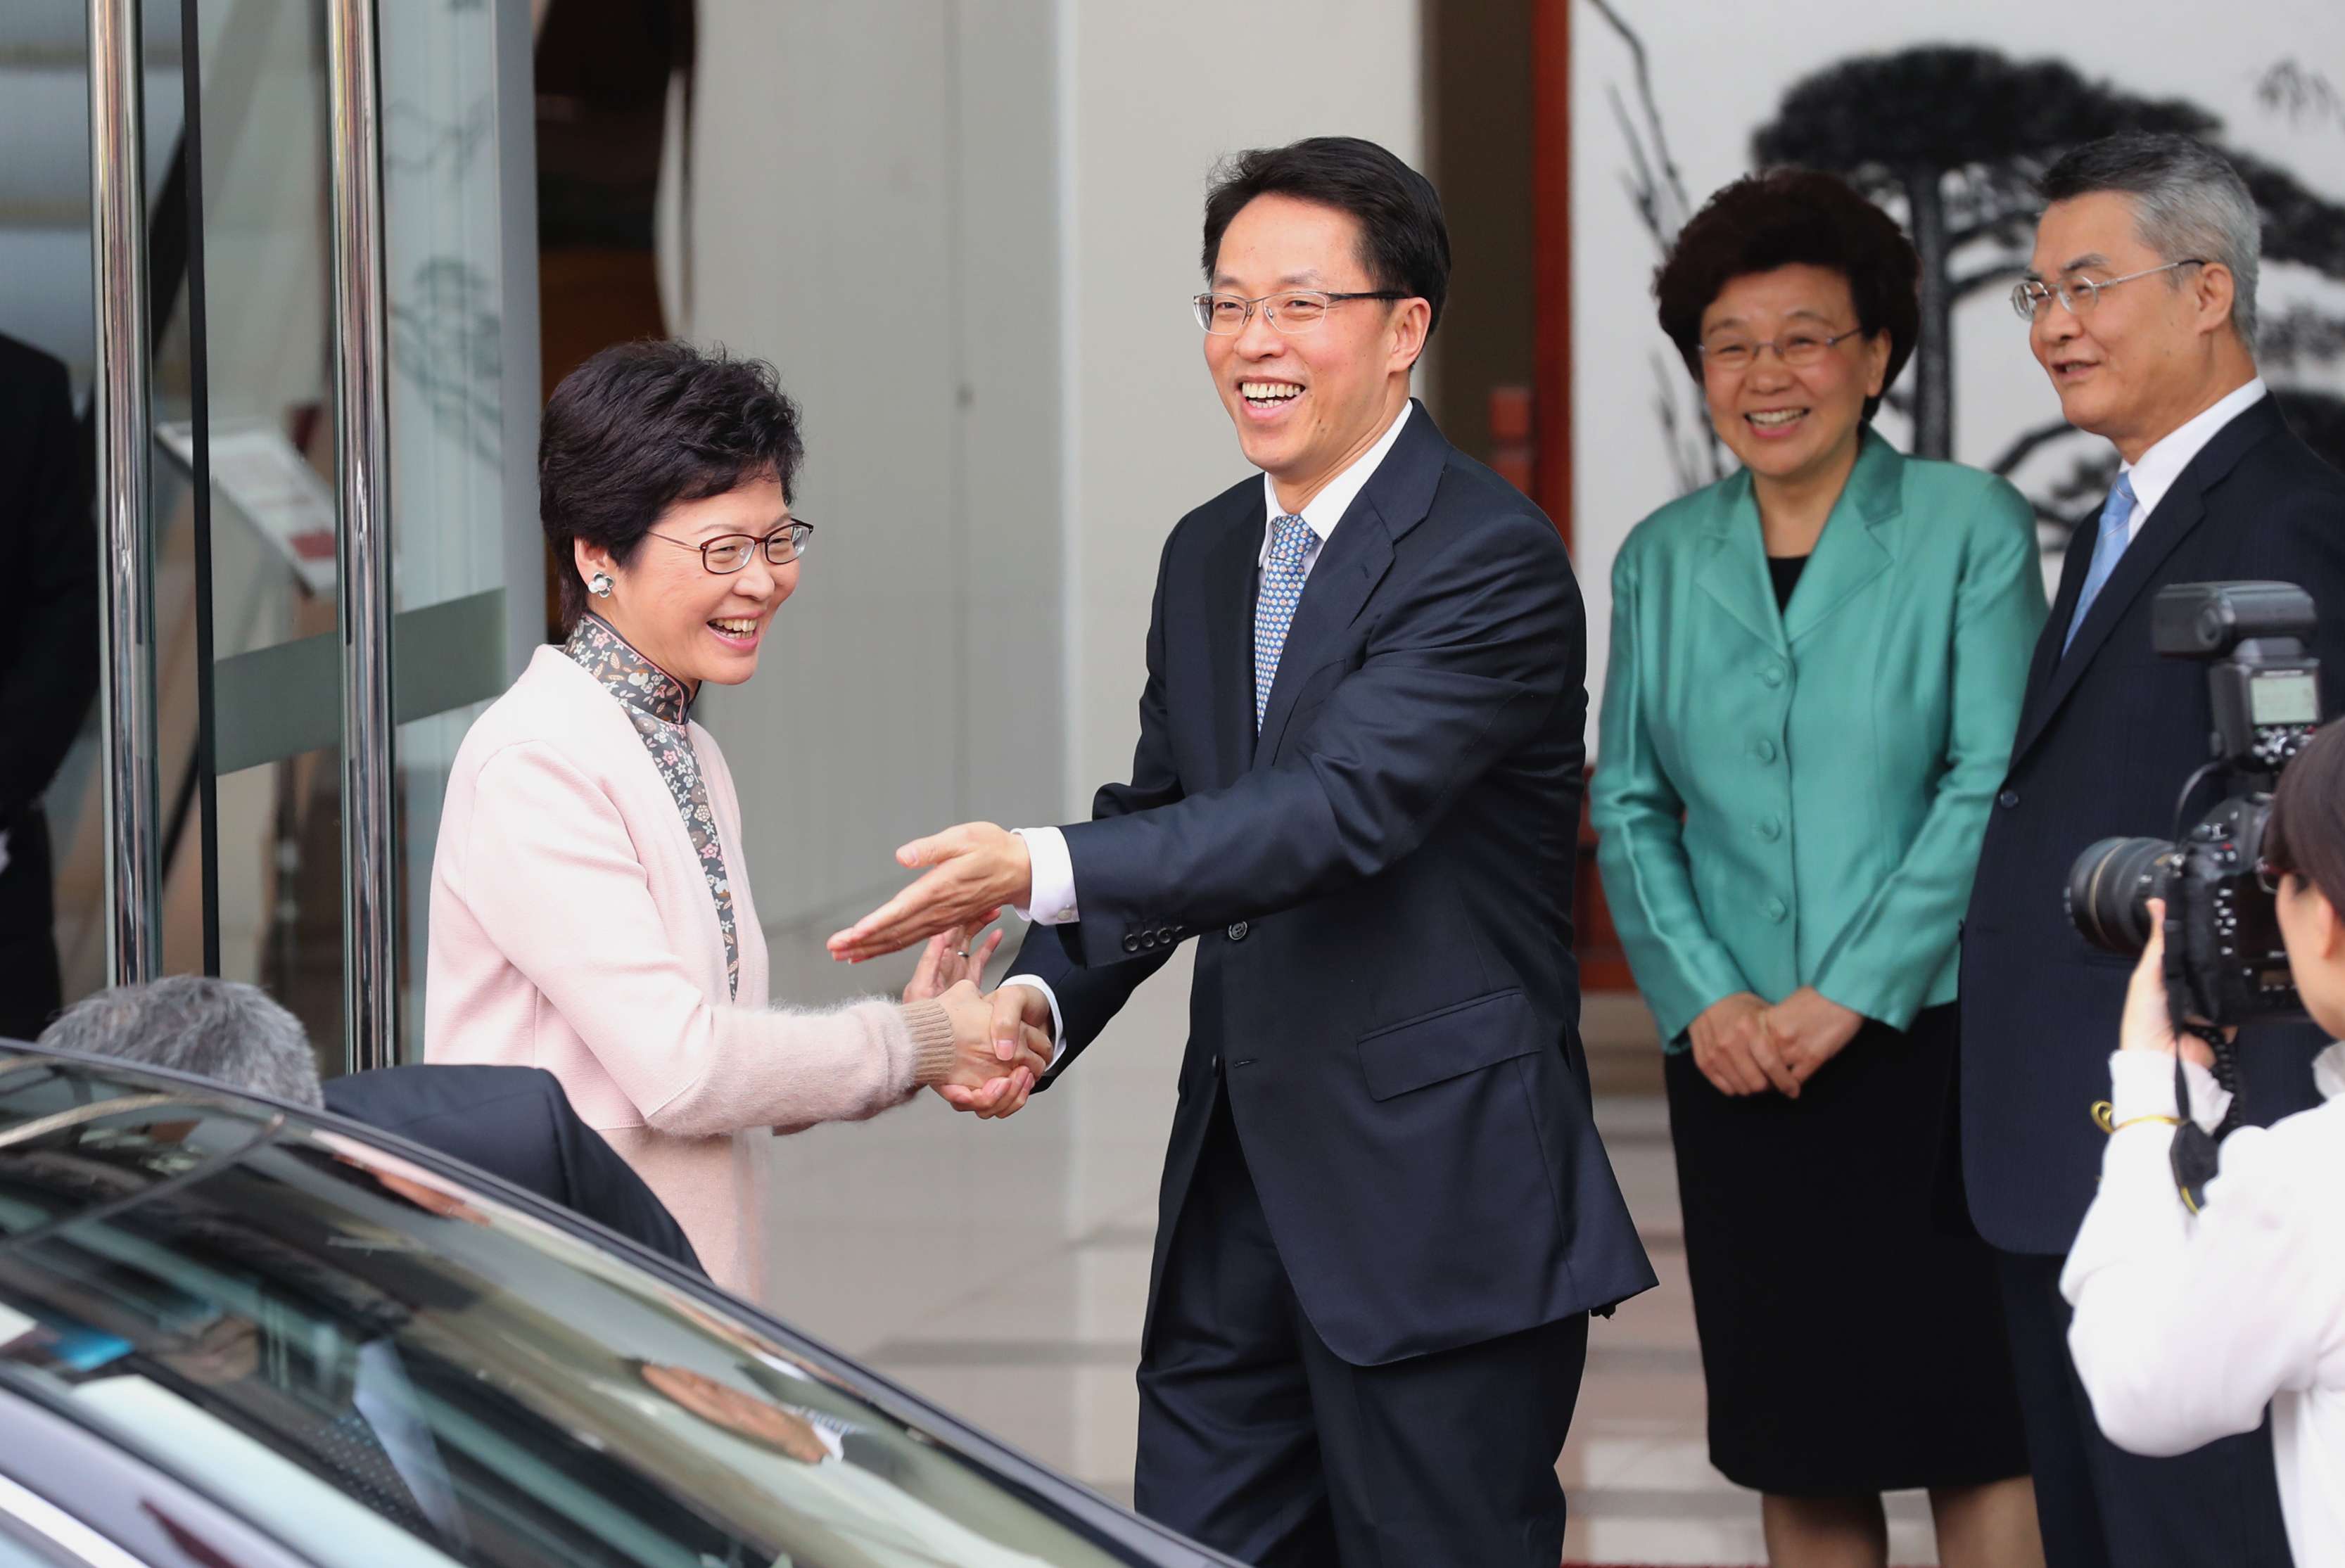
pixel 1797 798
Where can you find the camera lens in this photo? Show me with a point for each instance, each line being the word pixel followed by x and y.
pixel 2109 890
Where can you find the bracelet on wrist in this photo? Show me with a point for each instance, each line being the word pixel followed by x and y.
pixel 2102 1111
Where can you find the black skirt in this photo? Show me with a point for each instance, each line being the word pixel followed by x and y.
pixel 1852 1337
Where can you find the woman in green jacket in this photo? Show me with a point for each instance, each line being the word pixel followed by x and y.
pixel 1815 673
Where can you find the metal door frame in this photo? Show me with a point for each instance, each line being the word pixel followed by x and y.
pixel 122 412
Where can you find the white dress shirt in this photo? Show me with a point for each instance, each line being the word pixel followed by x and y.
pixel 1054 879
pixel 2188 1326
pixel 2160 465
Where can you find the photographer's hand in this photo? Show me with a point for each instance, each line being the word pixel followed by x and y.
pixel 1810 1029
pixel 2148 1023
pixel 1731 1048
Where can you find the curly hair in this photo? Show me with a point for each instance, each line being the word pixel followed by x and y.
pixel 1788 217
pixel 642 426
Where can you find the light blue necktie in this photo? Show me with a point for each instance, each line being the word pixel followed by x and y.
pixel 2110 544
pixel 1274 607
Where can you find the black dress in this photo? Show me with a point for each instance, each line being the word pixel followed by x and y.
pixel 1851 1334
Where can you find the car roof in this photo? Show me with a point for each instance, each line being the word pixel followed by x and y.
pixel 94 1081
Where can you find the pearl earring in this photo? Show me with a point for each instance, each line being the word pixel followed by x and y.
pixel 599 585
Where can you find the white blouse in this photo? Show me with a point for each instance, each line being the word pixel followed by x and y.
pixel 2188 1326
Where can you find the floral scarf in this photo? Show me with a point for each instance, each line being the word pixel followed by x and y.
pixel 661 712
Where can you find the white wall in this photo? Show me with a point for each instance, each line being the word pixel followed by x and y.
pixel 1153 97
pixel 1157 92
pixel 873 215
pixel 1720 72
pixel 966 234
pixel 966 231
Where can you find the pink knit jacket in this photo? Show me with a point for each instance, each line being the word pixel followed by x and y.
pixel 571 929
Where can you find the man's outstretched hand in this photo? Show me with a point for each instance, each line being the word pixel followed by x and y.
pixel 972 869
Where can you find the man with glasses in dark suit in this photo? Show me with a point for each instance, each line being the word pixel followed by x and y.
pixel 1385 1214
pixel 2140 303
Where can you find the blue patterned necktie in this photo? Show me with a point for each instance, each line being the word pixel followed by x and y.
pixel 1273 608
pixel 2115 513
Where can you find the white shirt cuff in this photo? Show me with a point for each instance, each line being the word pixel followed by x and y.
pixel 1052 884
pixel 1057 1024
pixel 2141 1083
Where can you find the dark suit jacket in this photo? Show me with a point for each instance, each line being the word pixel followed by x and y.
pixel 1380 891
pixel 2107 736
pixel 48 639
pixel 516 1123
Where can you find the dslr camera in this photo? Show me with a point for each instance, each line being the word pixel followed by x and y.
pixel 2224 961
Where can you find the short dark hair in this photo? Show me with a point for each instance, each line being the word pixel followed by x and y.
pixel 1788 217
pixel 1404 242
pixel 2306 834
pixel 2189 204
pixel 642 426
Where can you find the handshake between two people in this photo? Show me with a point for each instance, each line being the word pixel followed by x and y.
pixel 1745 1046
pixel 1002 1040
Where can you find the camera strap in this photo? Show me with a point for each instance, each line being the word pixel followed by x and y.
pixel 2196 1153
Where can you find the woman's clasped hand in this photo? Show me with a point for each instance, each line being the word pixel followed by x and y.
pixel 997 1088
pixel 981 1081
pixel 1745 1046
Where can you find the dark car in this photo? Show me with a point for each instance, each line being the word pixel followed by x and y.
pixel 234 1333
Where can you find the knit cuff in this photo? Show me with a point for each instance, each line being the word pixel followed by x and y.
pixel 932 1041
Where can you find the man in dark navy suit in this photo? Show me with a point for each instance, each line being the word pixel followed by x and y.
pixel 2141 300
pixel 511 1122
pixel 1385 1214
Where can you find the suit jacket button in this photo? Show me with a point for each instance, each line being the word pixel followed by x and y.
pixel 2007 799
pixel 1132 944
pixel 1771 675
pixel 1777 910
pixel 1237 931
pixel 1771 828
pixel 1763 749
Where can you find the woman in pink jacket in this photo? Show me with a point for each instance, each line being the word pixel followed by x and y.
pixel 586 916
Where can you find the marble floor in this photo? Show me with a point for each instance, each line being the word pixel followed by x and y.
pixel 1001 1269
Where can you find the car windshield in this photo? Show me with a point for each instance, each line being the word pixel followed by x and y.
pixel 378 1366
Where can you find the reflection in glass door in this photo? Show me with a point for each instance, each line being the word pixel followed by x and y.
pixel 334 376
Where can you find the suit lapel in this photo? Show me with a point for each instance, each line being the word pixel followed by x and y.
pixel 2074 567
pixel 2176 516
pixel 2182 510
pixel 1230 569
pixel 1735 574
pixel 1849 552
pixel 1353 561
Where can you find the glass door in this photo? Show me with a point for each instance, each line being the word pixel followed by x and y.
pixel 343 489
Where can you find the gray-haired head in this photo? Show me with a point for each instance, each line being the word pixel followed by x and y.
pixel 2189 203
pixel 221 1029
